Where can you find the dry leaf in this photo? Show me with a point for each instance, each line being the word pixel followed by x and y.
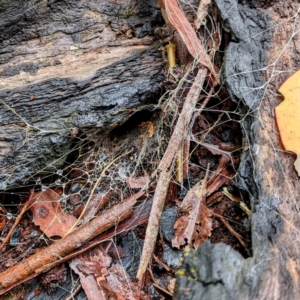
pixel 288 116
pixel 48 214
pixel 195 225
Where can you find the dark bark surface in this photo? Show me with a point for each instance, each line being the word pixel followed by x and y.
pixel 68 66
pixel 265 53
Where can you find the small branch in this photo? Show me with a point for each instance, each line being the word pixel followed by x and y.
pixel 231 230
pixel 18 219
pixel 165 168
pixel 66 245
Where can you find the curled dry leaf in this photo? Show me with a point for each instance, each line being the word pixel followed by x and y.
pixel 47 214
pixel 194 225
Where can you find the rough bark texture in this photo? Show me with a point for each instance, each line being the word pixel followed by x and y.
pixel 70 64
pixel 265 54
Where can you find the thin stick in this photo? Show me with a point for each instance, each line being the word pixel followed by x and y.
pixel 18 219
pixel 93 190
pixel 231 230
pixel 165 168
pixel 66 245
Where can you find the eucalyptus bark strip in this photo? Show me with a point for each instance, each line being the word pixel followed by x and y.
pixel 165 170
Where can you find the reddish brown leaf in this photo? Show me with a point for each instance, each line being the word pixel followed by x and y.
pixel 48 214
pixel 195 225
pixel 88 281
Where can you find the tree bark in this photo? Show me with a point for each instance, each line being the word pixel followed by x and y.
pixel 264 54
pixel 70 68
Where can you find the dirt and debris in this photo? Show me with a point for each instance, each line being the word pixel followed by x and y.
pixel 180 156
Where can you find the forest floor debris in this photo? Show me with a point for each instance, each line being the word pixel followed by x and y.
pixel 163 165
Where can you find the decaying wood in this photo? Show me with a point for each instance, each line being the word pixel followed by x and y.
pixel 35 263
pixel 264 54
pixel 165 170
pixel 69 68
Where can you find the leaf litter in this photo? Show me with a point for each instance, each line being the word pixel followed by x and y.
pixel 204 213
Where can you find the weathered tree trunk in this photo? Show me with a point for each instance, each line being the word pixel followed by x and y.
pixel 69 66
pixel 265 54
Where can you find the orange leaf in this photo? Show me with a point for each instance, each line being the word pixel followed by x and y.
pixel 288 116
pixel 48 214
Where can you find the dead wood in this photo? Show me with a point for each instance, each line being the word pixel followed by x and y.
pixel 263 55
pixel 35 263
pixel 69 69
pixel 165 170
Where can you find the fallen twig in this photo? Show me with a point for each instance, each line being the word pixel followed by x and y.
pixel 33 265
pixel 18 219
pixel 139 217
pixel 167 268
pixel 232 231
pixel 165 170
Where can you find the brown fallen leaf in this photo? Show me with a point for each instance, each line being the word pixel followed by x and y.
pixel 195 225
pixel 47 214
pixel 88 268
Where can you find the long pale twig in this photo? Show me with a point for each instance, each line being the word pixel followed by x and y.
pixel 165 170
